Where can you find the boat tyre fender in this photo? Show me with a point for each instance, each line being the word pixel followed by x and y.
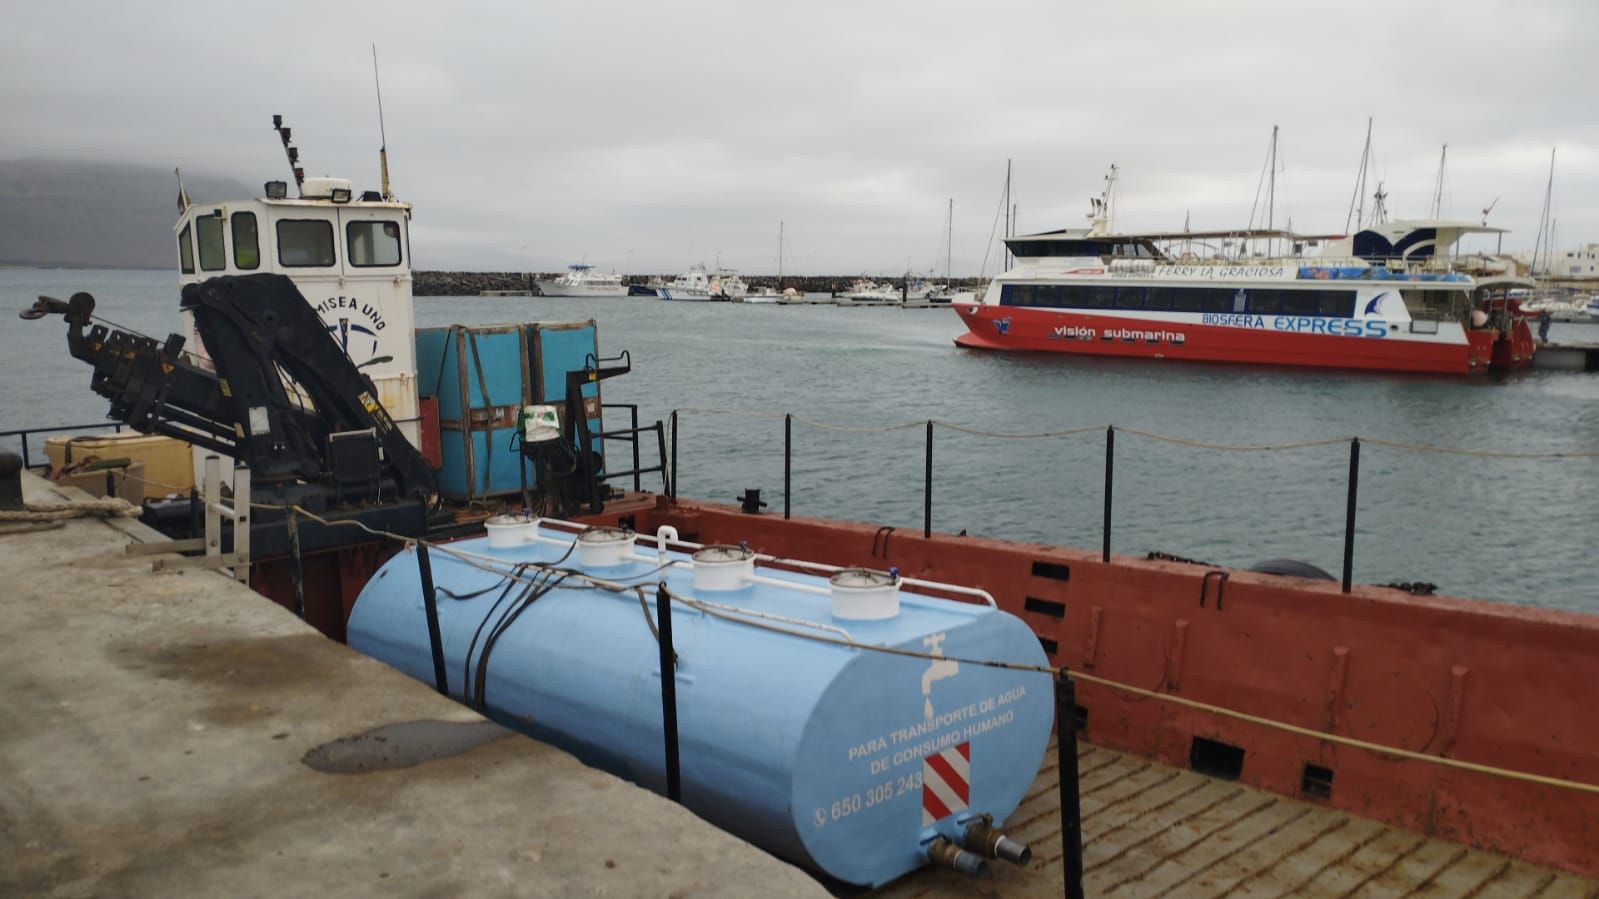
pixel 1291 568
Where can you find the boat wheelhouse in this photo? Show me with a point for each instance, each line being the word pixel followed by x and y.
pixel 1386 298
pixel 349 255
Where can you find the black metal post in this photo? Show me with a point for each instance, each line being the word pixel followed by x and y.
pixel 1071 812
pixel 26 462
pixel 788 462
pixel 1110 476
pixel 297 573
pixel 927 486
pixel 671 482
pixel 1349 512
pixel 638 483
pixel 660 446
pixel 430 605
pixel 663 623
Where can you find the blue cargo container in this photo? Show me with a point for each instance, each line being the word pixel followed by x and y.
pixel 482 376
pixel 843 759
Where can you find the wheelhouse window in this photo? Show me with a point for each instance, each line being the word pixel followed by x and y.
pixel 373 243
pixel 208 240
pixel 185 252
pixel 305 243
pixel 246 241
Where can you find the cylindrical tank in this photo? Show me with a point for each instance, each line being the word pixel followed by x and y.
pixel 836 757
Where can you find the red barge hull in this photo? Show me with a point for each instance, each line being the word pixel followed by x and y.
pixel 1058 331
pixel 1493 684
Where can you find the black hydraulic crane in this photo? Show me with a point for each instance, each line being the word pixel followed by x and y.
pixel 280 396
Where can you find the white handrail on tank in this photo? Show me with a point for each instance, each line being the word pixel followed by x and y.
pixel 771 616
pixel 763 557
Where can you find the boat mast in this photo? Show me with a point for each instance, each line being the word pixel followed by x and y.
pixel 949 242
pixel 1543 219
pixel 1007 209
pixel 1358 215
pixel 383 136
pixel 1438 187
pixel 779 257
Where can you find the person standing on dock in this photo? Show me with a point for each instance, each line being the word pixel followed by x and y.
pixel 1544 318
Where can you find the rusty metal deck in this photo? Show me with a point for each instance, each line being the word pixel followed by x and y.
pixel 1153 830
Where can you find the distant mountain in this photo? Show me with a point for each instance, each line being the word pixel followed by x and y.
pixel 101 214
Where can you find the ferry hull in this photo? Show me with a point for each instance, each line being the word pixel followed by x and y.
pixel 1056 331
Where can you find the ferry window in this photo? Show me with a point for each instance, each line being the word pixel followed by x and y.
pixel 1130 297
pixel 1016 295
pixel 1301 302
pixel 208 240
pixel 1048 295
pixel 373 243
pixel 304 243
pixel 1337 302
pixel 246 241
pixel 1219 299
pixel 1188 299
pixel 1263 302
pixel 185 252
pixel 1160 297
pixel 1096 297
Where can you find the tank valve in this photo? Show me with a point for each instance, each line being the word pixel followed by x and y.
pixel 945 852
pixel 982 838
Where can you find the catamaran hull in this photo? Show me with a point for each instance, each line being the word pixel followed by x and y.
pixel 554 289
pixel 1453 351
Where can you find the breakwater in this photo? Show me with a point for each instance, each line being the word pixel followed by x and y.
pixel 471 284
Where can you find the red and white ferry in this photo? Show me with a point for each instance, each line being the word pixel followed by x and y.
pixel 1385 298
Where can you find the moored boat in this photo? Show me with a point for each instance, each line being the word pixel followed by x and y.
pixel 693 286
pixel 1384 299
pixel 581 280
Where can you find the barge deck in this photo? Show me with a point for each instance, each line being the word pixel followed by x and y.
pixel 1154 830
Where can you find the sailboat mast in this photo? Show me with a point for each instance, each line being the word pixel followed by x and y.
pixel 1007 213
pixel 1438 187
pixel 949 242
pixel 779 257
pixel 1543 219
pixel 1360 186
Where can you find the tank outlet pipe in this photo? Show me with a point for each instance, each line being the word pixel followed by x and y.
pixel 942 851
pixel 984 839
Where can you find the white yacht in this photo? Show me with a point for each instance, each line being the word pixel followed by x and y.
pixel 763 296
pixel 727 285
pixel 581 280
pixel 869 293
pixel 694 286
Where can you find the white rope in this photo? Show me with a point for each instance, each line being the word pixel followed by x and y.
pixel 107 507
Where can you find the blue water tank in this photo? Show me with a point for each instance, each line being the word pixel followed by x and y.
pixel 840 758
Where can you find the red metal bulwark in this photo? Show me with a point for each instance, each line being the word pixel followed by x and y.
pixel 1500 685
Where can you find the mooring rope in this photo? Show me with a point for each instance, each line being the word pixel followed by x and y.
pixel 104 507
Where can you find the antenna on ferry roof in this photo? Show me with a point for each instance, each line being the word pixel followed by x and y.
pixel 293 153
pixel 383 149
pixel 1489 208
pixel 183 196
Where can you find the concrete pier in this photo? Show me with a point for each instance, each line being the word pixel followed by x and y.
pixel 152 731
pixel 1567 357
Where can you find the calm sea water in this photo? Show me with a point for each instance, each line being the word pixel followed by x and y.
pixel 1507 529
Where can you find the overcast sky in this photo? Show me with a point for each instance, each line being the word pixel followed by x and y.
pixel 647 136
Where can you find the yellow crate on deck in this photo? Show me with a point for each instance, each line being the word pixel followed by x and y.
pixel 168 462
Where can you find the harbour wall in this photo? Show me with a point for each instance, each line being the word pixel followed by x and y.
pixel 471 284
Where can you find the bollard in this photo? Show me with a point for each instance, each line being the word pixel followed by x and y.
pixel 663 624
pixel 1071 813
pixel 11 482
pixel 430 605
